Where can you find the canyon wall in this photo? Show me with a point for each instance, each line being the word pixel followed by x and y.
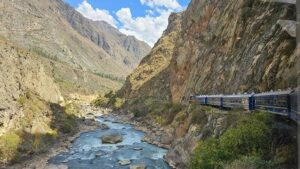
pixel 224 47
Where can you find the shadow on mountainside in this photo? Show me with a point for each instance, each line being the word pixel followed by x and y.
pixel 38 135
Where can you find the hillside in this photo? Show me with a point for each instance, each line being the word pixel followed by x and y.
pixel 50 56
pixel 58 32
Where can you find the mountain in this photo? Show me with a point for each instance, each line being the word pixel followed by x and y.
pixel 218 47
pixel 221 47
pixel 127 49
pixel 50 55
pixel 72 43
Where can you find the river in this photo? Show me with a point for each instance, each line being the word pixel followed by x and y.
pixel 88 152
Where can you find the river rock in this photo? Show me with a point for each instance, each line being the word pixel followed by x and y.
pixel 100 153
pixel 124 162
pixel 138 166
pixel 104 126
pixel 112 139
pixel 137 148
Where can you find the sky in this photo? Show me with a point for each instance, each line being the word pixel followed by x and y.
pixel 144 19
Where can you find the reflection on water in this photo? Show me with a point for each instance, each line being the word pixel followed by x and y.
pixel 88 152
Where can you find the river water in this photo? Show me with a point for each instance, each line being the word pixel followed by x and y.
pixel 88 152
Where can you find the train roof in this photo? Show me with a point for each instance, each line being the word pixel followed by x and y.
pixel 201 96
pixel 214 95
pixel 238 95
pixel 273 93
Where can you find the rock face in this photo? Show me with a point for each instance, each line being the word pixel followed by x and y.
pixel 112 139
pixel 77 47
pixel 221 47
pixel 214 47
pixel 154 70
pixel 22 73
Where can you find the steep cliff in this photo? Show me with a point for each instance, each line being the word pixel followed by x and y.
pixel 219 47
pixel 22 73
pixel 225 47
pixel 229 46
pixel 151 77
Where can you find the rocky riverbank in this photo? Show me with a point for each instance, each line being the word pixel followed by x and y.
pixel 197 124
pixel 89 115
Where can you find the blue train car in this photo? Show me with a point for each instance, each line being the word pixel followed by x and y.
pixel 202 99
pixel 275 102
pixel 244 101
pixel 295 105
pixel 215 100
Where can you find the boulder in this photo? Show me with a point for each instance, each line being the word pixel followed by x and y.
pixel 100 153
pixel 112 139
pixel 137 148
pixel 138 166
pixel 124 162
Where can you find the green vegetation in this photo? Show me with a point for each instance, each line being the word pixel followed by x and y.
pixel 249 143
pixel 41 52
pixel 163 112
pixel 38 129
pixel 9 143
pixel 111 77
pixel 65 117
pixel 110 99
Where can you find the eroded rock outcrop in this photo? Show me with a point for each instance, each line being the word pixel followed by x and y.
pixel 222 47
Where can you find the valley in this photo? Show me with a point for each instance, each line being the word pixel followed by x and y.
pixel 78 93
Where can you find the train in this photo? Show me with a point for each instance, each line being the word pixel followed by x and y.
pixel 285 103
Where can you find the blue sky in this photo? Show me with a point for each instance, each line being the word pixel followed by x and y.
pixel 144 19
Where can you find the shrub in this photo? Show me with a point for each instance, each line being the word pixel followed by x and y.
pixel 9 144
pixel 160 120
pixel 110 100
pixel 181 116
pixel 100 101
pixel 118 103
pixel 72 109
pixel 250 137
pixel 249 162
pixel 22 100
pixel 65 118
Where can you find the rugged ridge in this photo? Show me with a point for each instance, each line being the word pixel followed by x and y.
pixel 228 47
pixel 151 77
pixel 58 32
pixel 119 46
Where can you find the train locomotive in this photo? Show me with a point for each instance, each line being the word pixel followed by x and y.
pixel 285 103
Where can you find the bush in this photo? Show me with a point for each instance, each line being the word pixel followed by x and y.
pixel 250 137
pixel 118 103
pixel 100 101
pixel 72 109
pixel 65 118
pixel 249 162
pixel 110 100
pixel 9 144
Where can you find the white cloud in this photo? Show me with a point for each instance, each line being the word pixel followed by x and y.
pixel 148 28
pixel 169 4
pixel 88 11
